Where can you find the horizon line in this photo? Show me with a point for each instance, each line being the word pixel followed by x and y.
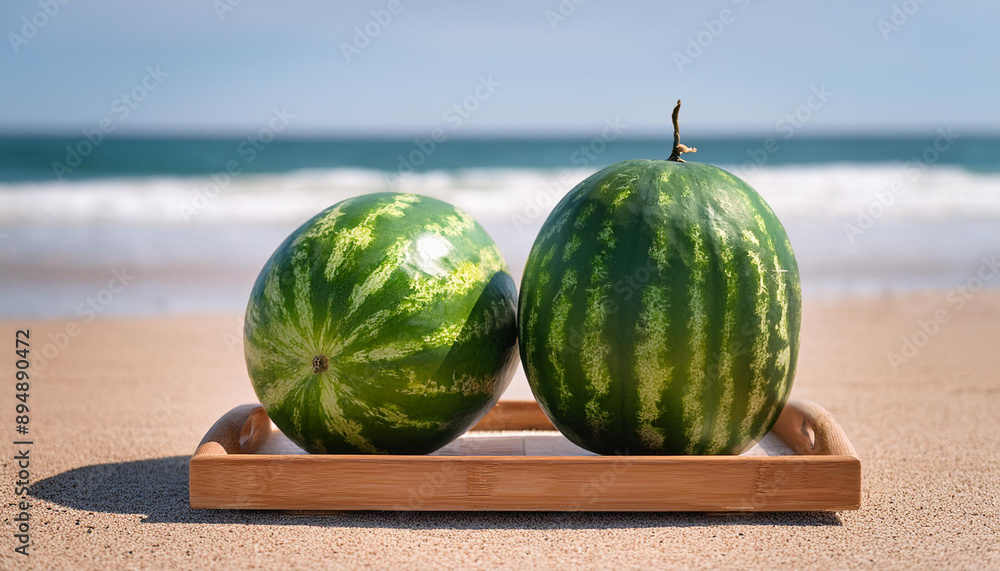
pixel 635 136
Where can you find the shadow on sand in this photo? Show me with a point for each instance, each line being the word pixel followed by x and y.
pixel 158 489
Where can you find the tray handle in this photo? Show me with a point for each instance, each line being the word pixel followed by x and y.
pixel 237 432
pixel 808 428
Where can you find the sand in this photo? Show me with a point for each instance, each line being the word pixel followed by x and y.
pixel 117 412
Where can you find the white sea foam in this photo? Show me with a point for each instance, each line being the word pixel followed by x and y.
pixel 196 249
pixel 518 196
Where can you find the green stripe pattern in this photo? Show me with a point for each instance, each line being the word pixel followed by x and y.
pixel 385 324
pixel 659 312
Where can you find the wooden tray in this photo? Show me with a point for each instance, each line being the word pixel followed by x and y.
pixel 514 460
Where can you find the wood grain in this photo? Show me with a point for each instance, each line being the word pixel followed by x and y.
pixel 495 472
pixel 515 415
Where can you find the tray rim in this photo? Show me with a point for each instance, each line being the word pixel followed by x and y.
pixel 806 427
pixel 818 441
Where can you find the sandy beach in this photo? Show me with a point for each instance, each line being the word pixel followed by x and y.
pixel 119 408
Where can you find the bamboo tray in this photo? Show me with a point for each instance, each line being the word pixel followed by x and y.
pixel 514 460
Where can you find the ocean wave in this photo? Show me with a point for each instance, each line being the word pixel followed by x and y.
pixel 519 196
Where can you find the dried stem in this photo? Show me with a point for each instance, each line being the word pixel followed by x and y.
pixel 678 147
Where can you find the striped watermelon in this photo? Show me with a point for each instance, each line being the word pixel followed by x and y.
pixel 659 311
pixel 385 324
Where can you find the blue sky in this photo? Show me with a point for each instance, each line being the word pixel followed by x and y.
pixel 556 67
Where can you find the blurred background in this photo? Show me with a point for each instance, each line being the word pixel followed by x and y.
pixel 152 155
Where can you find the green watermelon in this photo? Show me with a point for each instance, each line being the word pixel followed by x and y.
pixel 385 324
pixel 659 311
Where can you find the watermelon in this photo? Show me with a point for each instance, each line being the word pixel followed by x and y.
pixel 386 324
pixel 659 311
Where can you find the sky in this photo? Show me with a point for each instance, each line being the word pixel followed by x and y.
pixel 517 67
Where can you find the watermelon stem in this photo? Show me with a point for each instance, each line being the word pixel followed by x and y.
pixel 320 364
pixel 678 147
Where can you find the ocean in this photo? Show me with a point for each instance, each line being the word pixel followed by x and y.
pixel 189 222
